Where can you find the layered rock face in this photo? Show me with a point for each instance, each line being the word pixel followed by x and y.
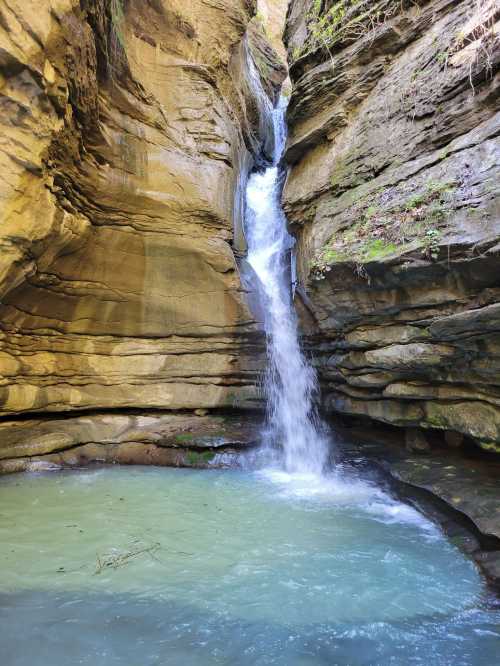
pixel 272 13
pixel 128 130
pixel 164 439
pixel 393 194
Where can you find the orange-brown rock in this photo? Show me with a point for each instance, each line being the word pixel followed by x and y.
pixel 128 129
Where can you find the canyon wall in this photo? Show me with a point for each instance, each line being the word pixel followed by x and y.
pixel 393 195
pixel 128 130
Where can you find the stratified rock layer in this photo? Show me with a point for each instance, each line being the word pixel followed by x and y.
pixel 128 129
pixel 393 195
pixel 163 438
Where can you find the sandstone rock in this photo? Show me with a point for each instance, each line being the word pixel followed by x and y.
pixel 127 137
pixel 382 336
pixel 163 438
pixel 272 13
pixel 473 419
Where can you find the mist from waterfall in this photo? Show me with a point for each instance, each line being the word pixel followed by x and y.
pixel 290 383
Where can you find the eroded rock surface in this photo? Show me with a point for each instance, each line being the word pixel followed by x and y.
pixel 393 195
pixel 272 13
pixel 163 438
pixel 128 129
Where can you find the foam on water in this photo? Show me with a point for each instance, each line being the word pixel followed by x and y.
pixel 338 490
pixel 229 568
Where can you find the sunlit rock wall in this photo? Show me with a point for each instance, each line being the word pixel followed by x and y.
pixel 393 195
pixel 272 13
pixel 128 128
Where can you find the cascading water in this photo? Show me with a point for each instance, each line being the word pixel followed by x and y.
pixel 290 381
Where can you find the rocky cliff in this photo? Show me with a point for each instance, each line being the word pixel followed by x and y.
pixel 393 195
pixel 128 130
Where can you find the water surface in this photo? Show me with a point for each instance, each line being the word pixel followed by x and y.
pixel 143 566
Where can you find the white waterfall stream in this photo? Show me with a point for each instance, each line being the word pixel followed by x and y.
pixel 290 381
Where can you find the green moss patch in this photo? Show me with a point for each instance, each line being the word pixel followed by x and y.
pixel 388 221
pixel 185 437
pixel 195 458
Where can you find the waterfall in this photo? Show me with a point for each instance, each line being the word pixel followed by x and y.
pixel 291 381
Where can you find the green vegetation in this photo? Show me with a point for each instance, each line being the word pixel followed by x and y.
pixel 117 19
pixel 260 23
pixel 376 249
pixel 431 242
pixel 324 28
pixel 389 224
pixel 442 57
pixel 345 20
pixel 199 458
pixel 185 437
pixel 491 447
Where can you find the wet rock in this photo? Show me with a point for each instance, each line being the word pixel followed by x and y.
pixel 468 488
pixel 166 439
pixel 416 441
pixel 453 439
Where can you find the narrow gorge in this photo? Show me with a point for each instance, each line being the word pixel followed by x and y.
pixel 253 245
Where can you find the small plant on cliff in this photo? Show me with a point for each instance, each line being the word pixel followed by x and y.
pixel 347 21
pixel 432 240
pixel 479 38
pixel 387 225
pixel 117 19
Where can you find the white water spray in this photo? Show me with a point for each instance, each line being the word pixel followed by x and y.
pixel 291 381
